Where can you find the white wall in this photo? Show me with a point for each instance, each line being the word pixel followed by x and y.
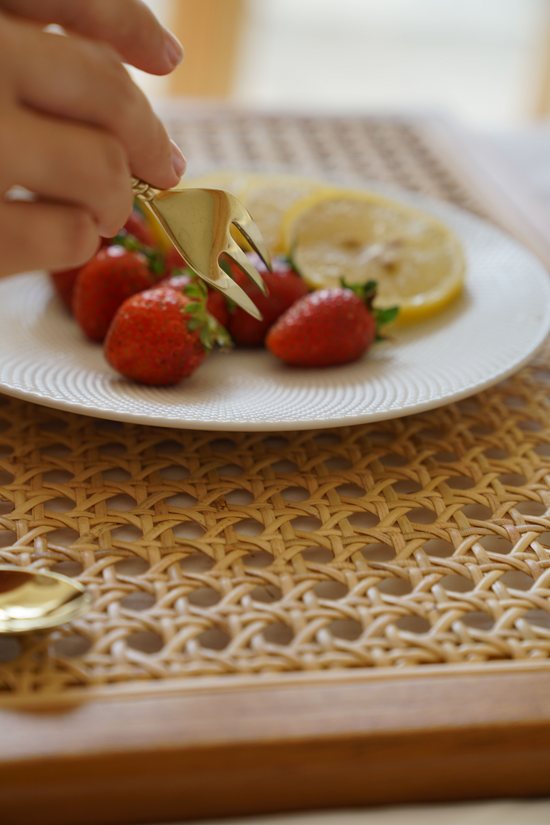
pixel 477 59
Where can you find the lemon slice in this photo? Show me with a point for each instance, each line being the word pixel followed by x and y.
pixel 269 197
pixel 415 258
pixel 234 181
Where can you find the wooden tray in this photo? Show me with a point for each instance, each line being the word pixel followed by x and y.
pixel 294 620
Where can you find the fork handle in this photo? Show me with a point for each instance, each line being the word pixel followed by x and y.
pixel 142 190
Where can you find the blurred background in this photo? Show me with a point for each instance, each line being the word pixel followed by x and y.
pixel 485 62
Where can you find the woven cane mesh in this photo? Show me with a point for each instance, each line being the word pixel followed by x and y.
pixel 416 541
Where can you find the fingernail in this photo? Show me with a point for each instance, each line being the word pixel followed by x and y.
pixel 178 161
pixel 174 49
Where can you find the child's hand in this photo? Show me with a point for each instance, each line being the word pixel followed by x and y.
pixel 74 127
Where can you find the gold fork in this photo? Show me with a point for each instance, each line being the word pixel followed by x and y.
pixel 198 223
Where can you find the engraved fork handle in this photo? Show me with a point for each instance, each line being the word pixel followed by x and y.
pixel 142 190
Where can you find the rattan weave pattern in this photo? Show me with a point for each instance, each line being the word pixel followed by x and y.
pixel 414 541
pixel 388 150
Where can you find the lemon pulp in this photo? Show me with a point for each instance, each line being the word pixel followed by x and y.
pixel 269 197
pixel 415 258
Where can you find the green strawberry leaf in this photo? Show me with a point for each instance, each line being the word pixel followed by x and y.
pixel 210 332
pixel 195 307
pixel 205 338
pixel 181 270
pixel 198 318
pixel 155 258
pixel 367 293
pixel 193 291
pixel 219 334
pixel 195 323
pixel 225 265
pixel 385 316
pixel 291 258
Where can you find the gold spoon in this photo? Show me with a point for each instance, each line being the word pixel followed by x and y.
pixel 35 600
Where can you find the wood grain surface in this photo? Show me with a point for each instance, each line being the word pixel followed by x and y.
pixel 278 747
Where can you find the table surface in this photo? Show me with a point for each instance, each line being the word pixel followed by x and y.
pixel 502 812
pixel 279 615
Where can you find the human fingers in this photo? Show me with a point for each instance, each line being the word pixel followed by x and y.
pixel 44 235
pixel 80 80
pixel 70 163
pixel 128 26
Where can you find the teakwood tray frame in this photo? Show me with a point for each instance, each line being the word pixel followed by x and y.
pixel 287 743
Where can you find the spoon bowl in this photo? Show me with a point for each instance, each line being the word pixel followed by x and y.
pixel 37 600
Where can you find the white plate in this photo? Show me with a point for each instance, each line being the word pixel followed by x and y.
pixel 497 325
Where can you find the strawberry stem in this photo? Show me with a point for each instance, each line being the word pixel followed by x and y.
pixel 211 331
pixel 367 293
pixel 155 259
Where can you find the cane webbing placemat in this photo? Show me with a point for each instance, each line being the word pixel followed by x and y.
pixel 417 541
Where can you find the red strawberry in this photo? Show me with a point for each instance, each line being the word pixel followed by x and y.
pixel 137 226
pixel 112 275
pixel 161 335
pixel 215 303
pixel 328 327
pixel 135 233
pixel 173 260
pixel 285 286
pixel 64 281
